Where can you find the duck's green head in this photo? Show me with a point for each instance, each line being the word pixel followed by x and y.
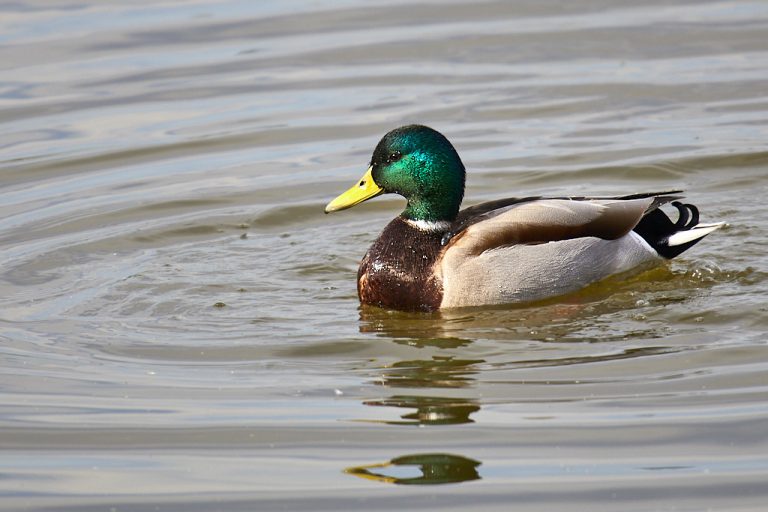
pixel 418 163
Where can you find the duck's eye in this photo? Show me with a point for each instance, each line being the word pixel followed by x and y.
pixel 394 157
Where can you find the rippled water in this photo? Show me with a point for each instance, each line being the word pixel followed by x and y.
pixel 179 327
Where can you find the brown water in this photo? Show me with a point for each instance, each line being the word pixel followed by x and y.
pixel 179 328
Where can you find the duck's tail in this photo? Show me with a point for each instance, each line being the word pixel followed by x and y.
pixel 672 238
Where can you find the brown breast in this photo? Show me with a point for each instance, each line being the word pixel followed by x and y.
pixel 397 272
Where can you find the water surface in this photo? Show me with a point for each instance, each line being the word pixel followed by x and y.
pixel 179 327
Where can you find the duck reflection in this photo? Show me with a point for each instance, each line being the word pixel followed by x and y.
pixel 414 329
pixel 437 372
pixel 430 410
pixel 420 469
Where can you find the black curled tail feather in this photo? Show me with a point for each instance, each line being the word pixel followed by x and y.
pixel 688 216
pixel 656 228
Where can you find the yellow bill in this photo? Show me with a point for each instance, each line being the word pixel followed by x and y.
pixel 364 189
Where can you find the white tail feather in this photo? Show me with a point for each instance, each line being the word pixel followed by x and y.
pixel 698 231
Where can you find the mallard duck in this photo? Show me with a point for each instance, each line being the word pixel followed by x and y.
pixel 512 250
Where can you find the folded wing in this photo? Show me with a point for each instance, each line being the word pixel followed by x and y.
pixel 548 220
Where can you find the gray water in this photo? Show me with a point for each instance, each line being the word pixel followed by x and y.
pixel 179 326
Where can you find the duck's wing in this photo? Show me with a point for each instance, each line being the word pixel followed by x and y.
pixel 474 213
pixel 547 220
pixel 543 219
